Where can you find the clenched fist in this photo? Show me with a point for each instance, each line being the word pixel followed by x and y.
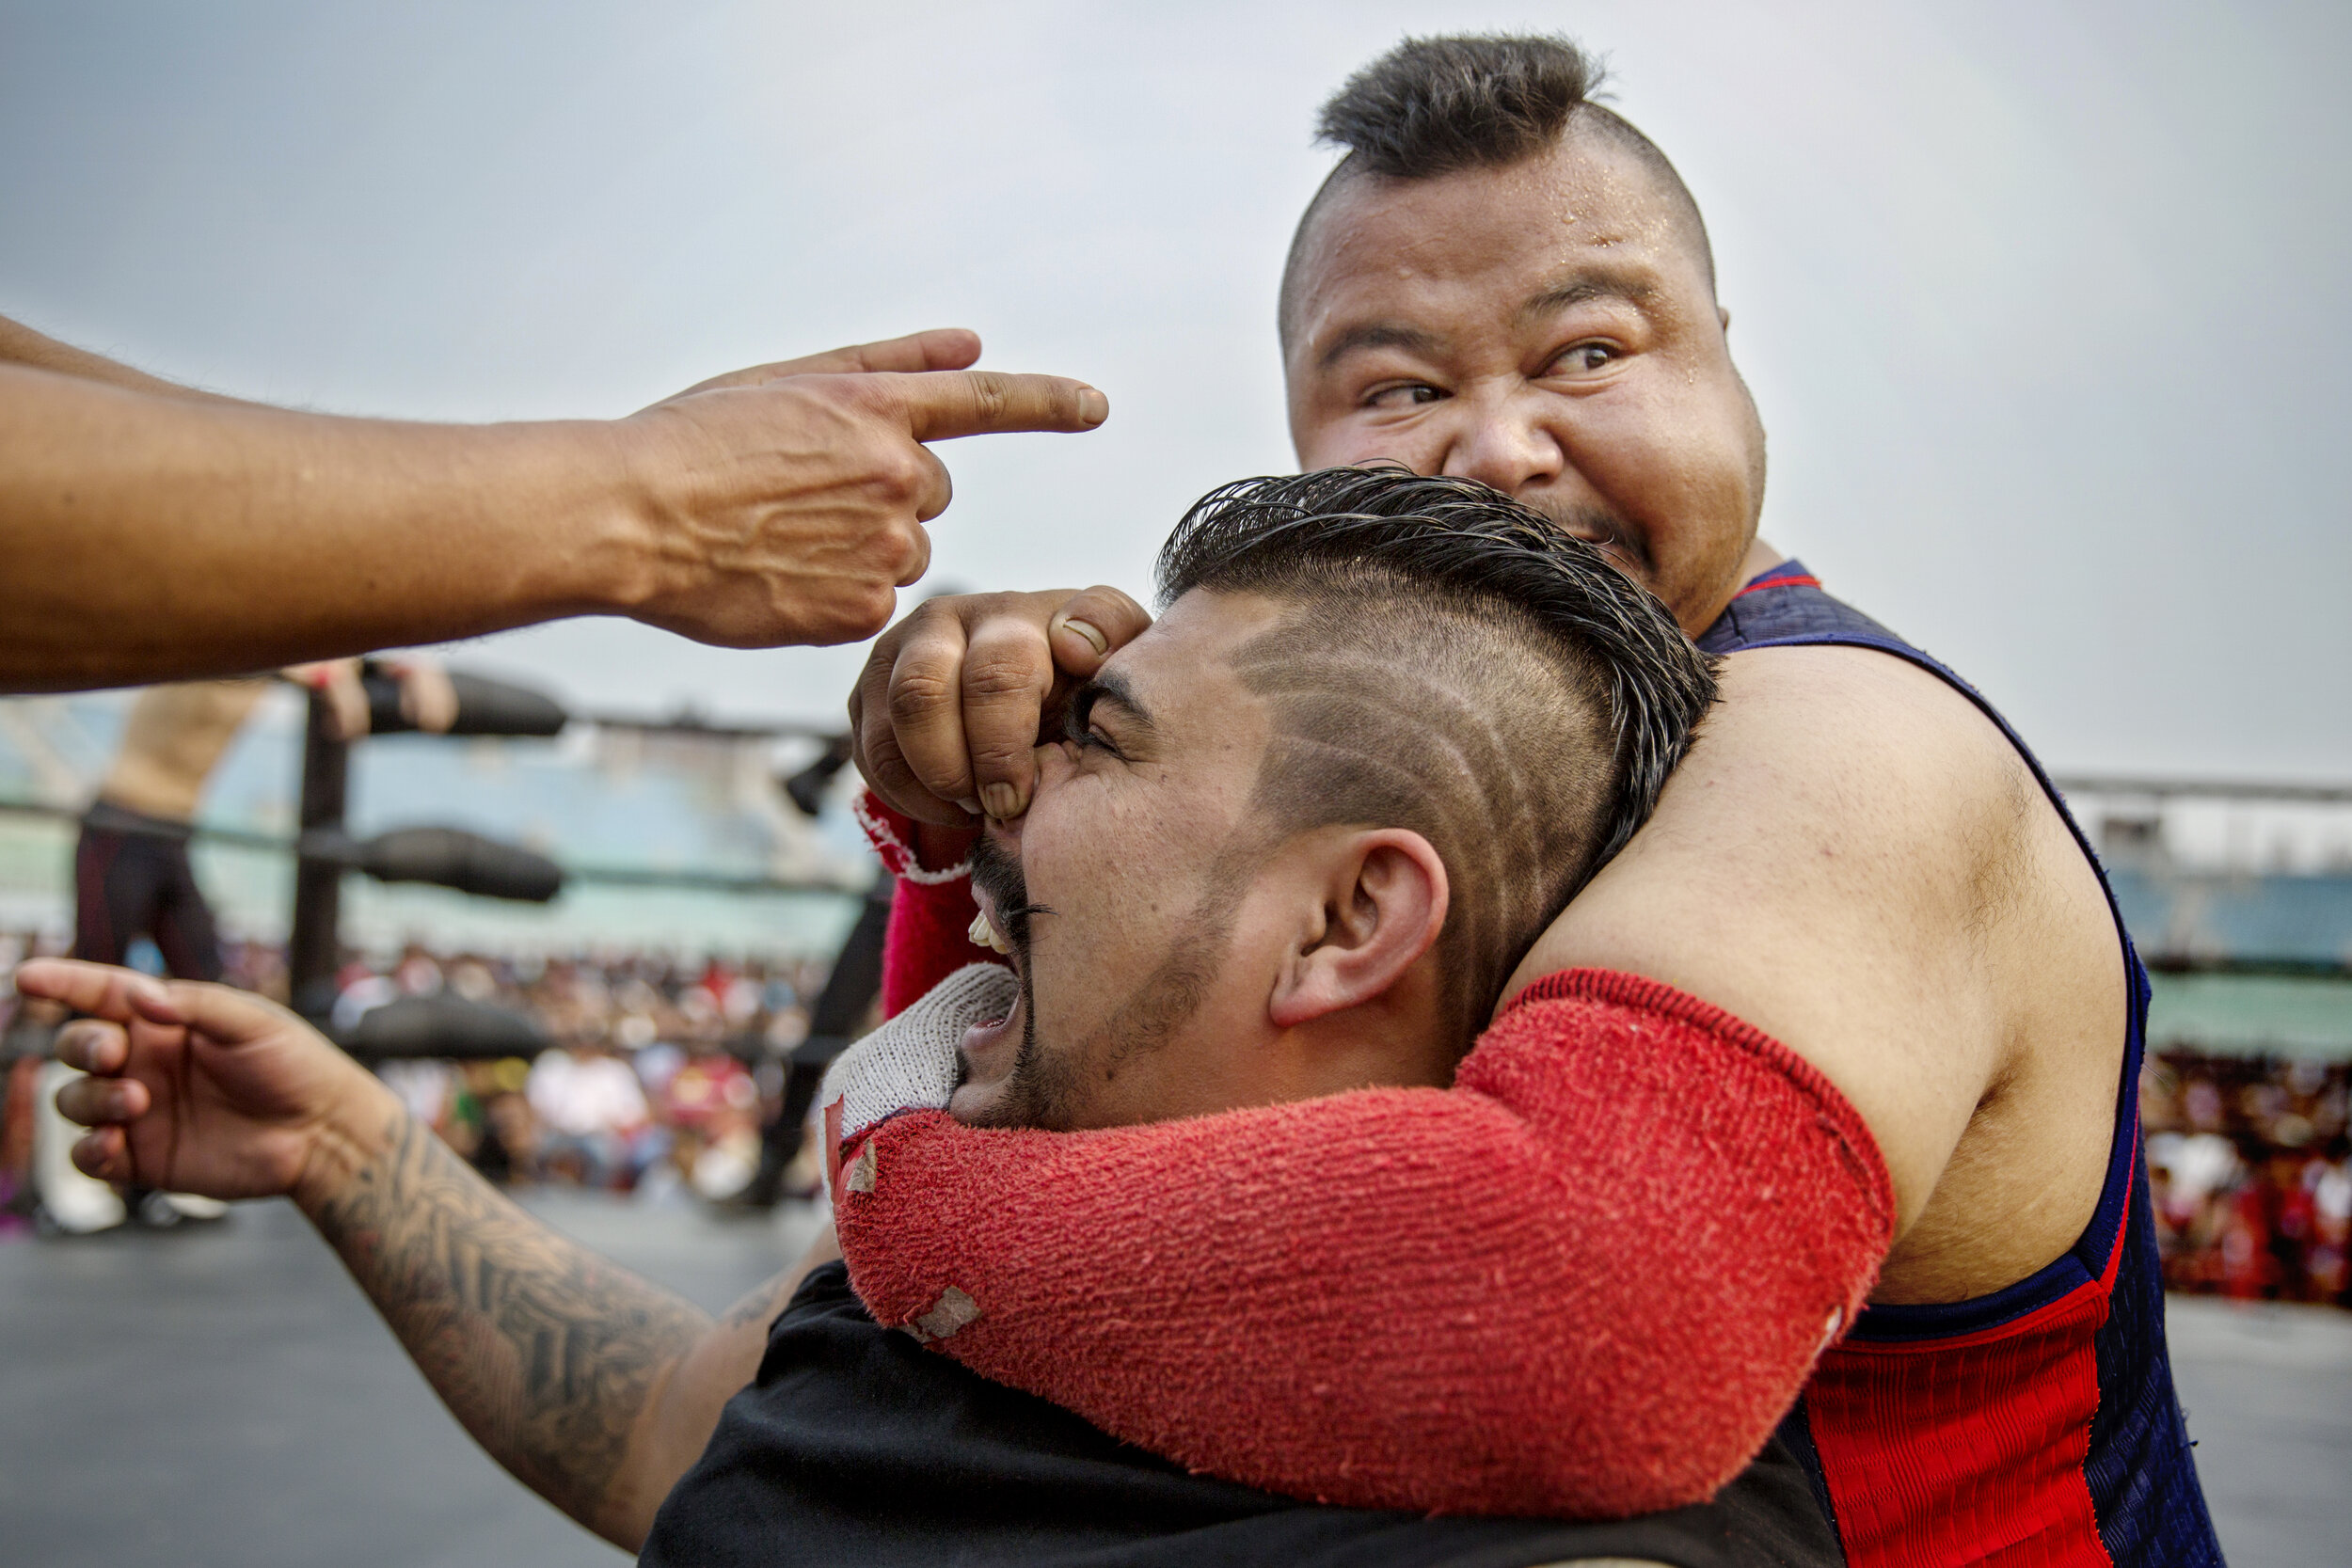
pixel 955 698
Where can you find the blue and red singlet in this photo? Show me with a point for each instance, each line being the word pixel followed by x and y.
pixel 2036 1425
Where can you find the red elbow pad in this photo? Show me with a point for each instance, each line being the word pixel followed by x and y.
pixel 1585 1282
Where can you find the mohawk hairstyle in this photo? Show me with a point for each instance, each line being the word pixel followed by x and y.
pixel 1435 106
pixel 1458 665
pixel 1430 106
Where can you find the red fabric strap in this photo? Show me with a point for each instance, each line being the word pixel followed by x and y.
pixel 932 910
pixel 1587 1281
pixel 1802 579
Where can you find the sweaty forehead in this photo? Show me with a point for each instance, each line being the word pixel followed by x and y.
pixel 1482 244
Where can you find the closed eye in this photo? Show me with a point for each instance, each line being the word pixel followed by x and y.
pixel 1079 729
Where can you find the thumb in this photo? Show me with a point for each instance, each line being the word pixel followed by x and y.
pixel 1091 627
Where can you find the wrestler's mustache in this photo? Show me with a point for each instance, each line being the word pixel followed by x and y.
pixel 997 872
pixel 1595 526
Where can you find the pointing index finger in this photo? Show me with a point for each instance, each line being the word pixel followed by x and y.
pixel 943 404
pixel 103 991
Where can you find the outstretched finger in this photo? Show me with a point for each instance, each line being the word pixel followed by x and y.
pixel 943 404
pixel 103 991
pixel 941 348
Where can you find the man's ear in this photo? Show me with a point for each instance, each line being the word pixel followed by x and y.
pixel 1384 904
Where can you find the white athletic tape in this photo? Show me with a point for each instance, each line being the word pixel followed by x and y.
pixel 909 1063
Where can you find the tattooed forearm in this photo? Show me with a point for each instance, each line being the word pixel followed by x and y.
pixel 544 1349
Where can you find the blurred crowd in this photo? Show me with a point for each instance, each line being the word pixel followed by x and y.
pixel 661 1074
pixel 663 1071
pixel 2250 1174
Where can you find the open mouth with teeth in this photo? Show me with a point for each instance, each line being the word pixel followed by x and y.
pixel 991 1048
pixel 984 934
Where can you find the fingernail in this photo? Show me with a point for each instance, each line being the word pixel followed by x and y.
pixel 1093 406
pixel 1092 633
pixel 1003 801
pixel 970 805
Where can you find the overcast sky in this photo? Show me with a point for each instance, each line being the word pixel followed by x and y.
pixel 2043 304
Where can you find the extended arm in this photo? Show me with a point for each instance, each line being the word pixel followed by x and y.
pixel 156 533
pixel 21 346
pixel 595 1387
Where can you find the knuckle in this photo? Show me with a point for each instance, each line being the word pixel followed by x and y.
pixel 905 544
pixel 1000 678
pixel 938 493
pixel 897 474
pixel 993 759
pixel 916 695
pixel 856 613
pixel 933 645
pixel 933 616
pixel 882 765
pixel 992 394
pixel 878 565
pixel 867 394
pixel 871 609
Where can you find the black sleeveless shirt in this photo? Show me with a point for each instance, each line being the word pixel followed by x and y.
pixel 855 1447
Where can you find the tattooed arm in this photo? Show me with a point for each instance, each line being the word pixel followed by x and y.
pixel 596 1388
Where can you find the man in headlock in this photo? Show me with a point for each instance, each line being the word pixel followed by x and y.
pixel 1859 867
pixel 1859 863
pixel 1288 846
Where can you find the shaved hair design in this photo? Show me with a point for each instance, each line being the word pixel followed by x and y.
pixel 1434 106
pixel 1453 663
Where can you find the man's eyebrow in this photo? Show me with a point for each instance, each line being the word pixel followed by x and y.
pixel 1582 286
pixel 1111 686
pixel 1413 340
